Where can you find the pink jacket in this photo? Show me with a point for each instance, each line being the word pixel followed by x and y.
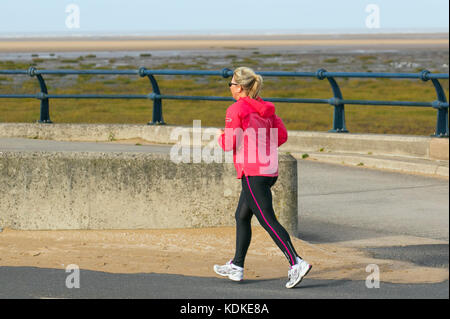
pixel 253 132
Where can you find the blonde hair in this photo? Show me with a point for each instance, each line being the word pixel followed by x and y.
pixel 249 80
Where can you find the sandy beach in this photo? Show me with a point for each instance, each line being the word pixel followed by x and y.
pixel 92 44
pixel 193 252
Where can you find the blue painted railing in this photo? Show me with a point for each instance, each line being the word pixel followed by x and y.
pixel 339 126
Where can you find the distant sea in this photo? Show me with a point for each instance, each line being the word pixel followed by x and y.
pixel 157 33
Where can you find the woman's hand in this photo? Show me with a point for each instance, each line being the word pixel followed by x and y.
pixel 219 132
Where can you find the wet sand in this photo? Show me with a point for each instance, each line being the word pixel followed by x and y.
pixel 398 41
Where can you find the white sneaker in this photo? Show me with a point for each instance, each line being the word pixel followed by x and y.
pixel 297 272
pixel 231 271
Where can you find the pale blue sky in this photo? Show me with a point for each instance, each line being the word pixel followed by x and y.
pixel 228 16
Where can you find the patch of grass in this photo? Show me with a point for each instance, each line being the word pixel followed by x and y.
pixel 86 66
pixel 70 60
pixel 366 58
pixel 111 137
pixel 38 60
pixel 269 55
pixel 331 60
pixel 11 65
pixel 126 67
pixel 244 62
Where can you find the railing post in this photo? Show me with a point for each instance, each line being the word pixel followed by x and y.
pixel 157 102
pixel 44 114
pixel 442 112
pixel 226 72
pixel 339 110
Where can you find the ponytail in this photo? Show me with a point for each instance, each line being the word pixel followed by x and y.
pixel 249 80
pixel 256 86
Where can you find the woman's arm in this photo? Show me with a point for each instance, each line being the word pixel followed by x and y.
pixel 282 131
pixel 227 140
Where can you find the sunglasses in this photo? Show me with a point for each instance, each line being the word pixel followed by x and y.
pixel 231 83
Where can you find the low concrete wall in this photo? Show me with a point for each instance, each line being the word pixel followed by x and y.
pixel 95 190
pixel 298 141
pixel 376 144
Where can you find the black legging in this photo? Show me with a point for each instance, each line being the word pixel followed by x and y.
pixel 256 199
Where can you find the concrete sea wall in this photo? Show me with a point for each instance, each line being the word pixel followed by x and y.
pixel 97 190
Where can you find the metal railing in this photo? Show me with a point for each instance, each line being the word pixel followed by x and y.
pixel 339 126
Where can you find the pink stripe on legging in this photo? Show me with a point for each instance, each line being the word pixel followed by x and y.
pixel 248 183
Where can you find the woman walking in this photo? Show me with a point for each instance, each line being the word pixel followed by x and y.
pixel 254 132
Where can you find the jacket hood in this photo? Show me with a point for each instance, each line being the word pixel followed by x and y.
pixel 264 108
